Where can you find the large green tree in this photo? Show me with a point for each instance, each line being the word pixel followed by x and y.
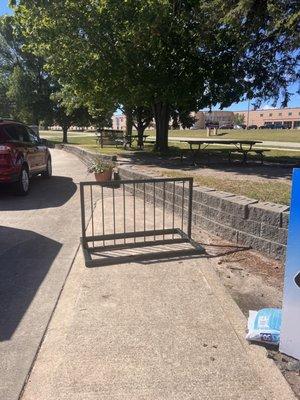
pixel 26 85
pixel 29 93
pixel 166 54
pixel 5 105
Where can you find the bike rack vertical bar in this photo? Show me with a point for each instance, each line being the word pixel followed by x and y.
pixel 92 213
pixel 173 217
pixel 82 204
pixel 182 206
pixel 114 213
pixel 190 207
pixel 164 198
pixel 144 211
pixel 103 224
pixel 134 210
pixel 154 201
pixel 124 211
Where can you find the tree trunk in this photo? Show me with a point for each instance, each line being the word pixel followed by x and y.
pixel 65 134
pixel 162 117
pixel 129 120
pixel 140 131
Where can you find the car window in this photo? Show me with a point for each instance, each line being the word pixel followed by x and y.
pixel 33 137
pixel 17 132
pixel 13 132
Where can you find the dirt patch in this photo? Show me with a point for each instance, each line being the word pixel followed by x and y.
pixel 254 282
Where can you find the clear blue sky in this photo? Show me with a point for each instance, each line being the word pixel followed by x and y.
pixel 295 100
pixel 4 9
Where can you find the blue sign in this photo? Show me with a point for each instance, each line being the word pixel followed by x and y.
pixel 290 328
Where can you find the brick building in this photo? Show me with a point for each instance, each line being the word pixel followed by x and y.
pixel 213 117
pixel 290 117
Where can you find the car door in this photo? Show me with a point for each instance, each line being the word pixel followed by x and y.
pixel 31 148
pixel 26 151
pixel 41 150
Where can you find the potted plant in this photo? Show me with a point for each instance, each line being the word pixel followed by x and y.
pixel 102 170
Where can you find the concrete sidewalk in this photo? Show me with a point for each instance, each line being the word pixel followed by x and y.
pixel 160 330
pixel 39 237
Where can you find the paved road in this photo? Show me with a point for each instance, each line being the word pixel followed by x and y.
pixel 39 237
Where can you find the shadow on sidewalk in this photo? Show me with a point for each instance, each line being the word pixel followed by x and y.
pixel 26 258
pixel 44 193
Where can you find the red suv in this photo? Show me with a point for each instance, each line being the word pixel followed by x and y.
pixel 22 155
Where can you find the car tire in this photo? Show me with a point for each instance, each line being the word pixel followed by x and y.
pixel 48 172
pixel 22 185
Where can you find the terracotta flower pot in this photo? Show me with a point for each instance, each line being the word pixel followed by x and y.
pixel 103 176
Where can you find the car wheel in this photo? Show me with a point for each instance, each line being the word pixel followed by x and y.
pixel 48 172
pixel 22 185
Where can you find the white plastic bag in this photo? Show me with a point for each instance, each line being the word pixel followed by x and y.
pixel 264 326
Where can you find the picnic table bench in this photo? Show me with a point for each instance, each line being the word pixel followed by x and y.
pixel 112 137
pixel 117 137
pixel 241 146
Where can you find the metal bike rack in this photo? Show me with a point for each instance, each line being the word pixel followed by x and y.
pixel 139 215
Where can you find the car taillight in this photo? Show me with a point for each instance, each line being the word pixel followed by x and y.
pixel 5 156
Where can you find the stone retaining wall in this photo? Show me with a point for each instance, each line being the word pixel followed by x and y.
pixel 87 157
pixel 238 219
pixel 243 221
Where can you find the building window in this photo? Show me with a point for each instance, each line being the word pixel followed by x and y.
pixel 270 115
pixel 290 113
pixel 261 115
pixel 280 114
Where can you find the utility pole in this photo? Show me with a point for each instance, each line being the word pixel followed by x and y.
pixel 248 114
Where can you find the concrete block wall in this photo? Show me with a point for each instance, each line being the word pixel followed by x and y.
pixel 247 222
pixel 87 157
pixel 262 226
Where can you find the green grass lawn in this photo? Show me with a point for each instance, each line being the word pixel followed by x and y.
pixel 88 141
pixel 276 135
pixel 278 192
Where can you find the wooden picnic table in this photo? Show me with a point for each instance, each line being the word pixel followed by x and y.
pixel 240 146
pixel 111 137
pixel 117 137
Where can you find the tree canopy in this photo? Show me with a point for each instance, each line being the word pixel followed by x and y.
pixel 29 93
pixel 168 55
pixel 25 85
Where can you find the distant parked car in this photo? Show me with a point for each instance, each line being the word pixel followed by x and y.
pixel 279 126
pixel 226 126
pixel 239 126
pixel 252 127
pixel 267 126
pixel 22 155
